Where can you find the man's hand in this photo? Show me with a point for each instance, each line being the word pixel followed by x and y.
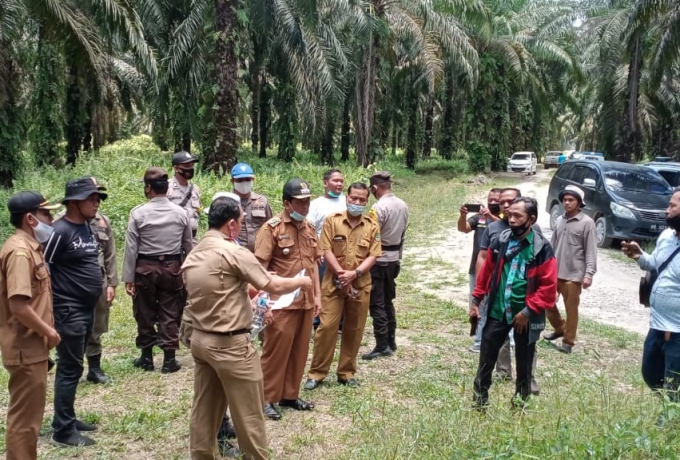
pixel 463 211
pixel 346 277
pixel 631 249
pixel 474 311
pixel 587 282
pixel 317 305
pixel 268 316
pixel 484 211
pixel 130 289
pixel 52 338
pixel 520 322
pixel 320 261
pixel 110 294
pixel 307 282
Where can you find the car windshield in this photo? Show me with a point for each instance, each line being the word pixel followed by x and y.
pixel 634 181
pixel 520 157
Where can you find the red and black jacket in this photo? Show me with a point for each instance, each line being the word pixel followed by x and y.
pixel 541 280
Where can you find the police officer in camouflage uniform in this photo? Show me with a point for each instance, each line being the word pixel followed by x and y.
pixel 183 192
pixel 101 228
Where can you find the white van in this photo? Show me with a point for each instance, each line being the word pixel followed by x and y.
pixel 523 162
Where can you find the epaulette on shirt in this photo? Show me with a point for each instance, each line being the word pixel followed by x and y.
pixel 274 221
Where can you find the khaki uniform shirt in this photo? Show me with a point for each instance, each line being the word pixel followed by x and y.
pixel 575 244
pixel 391 213
pixel 155 228
pixel 284 248
pixel 101 227
pixel 351 246
pixel 216 276
pixel 256 211
pixel 23 272
pixel 177 193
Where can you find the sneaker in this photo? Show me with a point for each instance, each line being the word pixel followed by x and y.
pixel 475 348
pixel 564 348
pixel 74 439
pixel 84 426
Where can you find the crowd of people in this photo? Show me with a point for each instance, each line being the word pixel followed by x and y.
pixel 58 277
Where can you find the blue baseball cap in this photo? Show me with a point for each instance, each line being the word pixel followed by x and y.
pixel 241 170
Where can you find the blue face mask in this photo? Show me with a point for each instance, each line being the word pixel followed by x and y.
pixel 297 216
pixel 332 195
pixel 355 209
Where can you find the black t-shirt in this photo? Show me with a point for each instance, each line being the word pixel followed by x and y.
pixel 73 255
pixel 478 223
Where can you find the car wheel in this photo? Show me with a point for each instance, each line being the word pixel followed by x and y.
pixel 601 233
pixel 555 212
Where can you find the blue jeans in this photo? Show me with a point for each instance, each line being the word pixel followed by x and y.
pixel 661 362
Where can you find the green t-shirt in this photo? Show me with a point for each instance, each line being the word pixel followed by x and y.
pixel 518 288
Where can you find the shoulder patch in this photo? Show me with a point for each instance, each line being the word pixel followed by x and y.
pixel 22 253
pixel 373 214
pixel 274 221
pixel 377 236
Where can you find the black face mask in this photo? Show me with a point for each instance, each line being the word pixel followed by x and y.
pixel 494 208
pixel 186 173
pixel 519 229
pixel 673 222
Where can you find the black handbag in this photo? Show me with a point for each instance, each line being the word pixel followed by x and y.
pixel 647 281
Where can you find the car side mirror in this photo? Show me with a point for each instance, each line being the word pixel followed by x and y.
pixel 589 183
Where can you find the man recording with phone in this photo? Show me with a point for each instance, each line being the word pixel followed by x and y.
pixel 661 353
pixel 478 223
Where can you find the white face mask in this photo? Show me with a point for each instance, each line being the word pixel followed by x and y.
pixel 42 232
pixel 243 188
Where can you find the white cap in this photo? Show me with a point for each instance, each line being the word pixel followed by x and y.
pixel 575 191
pixel 217 195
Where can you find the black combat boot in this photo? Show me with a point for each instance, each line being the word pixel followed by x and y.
pixel 170 364
pixel 95 374
pixel 146 360
pixel 381 348
pixel 391 335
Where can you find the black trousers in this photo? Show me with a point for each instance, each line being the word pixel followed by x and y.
pixel 493 337
pixel 74 325
pixel 383 293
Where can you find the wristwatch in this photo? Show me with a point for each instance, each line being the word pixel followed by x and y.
pixel 358 273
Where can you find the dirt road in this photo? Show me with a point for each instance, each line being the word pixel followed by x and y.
pixel 611 300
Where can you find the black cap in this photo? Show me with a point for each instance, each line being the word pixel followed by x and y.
pixel 155 174
pixel 81 188
pixel 182 157
pixel 296 188
pixel 29 201
pixel 381 177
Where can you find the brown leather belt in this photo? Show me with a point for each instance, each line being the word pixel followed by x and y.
pixel 230 334
pixel 160 258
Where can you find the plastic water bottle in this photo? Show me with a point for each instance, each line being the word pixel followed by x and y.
pixel 258 316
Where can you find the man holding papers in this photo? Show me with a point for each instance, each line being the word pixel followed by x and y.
pixel 286 245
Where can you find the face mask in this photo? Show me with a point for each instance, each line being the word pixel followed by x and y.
pixel 333 195
pixel 186 173
pixel 297 216
pixel 42 232
pixel 494 208
pixel 355 209
pixel 673 222
pixel 243 188
pixel 519 230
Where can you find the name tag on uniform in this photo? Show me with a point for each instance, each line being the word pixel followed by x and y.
pixel 338 238
pixel 284 237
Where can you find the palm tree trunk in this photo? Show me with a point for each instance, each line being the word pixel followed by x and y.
pixel 631 145
pixel 255 110
pixel 265 112
pixel 365 96
pixel 429 122
pixel 412 129
pixel 226 99
pixel 447 123
pixel 74 127
pixel 345 128
pixel 327 142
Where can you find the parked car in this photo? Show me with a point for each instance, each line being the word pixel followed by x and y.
pixel 590 157
pixel 523 162
pixel 626 201
pixel 669 170
pixel 552 159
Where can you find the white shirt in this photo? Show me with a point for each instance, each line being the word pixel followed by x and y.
pixel 322 207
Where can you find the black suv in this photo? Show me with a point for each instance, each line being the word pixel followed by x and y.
pixel 669 170
pixel 626 201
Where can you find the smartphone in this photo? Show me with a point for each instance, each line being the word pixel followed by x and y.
pixel 473 207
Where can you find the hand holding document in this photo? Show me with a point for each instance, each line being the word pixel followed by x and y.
pixel 286 300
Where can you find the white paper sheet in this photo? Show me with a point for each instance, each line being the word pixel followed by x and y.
pixel 287 300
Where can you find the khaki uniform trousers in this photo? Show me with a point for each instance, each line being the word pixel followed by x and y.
pixel 284 353
pixel 101 325
pixel 227 373
pixel 334 306
pixel 571 294
pixel 27 391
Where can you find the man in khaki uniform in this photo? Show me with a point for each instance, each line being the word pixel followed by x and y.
pixel 286 245
pixel 256 209
pixel 26 324
pixel 351 244
pixel 227 368
pixel 101 228
pixel 183 192
pixel 158 233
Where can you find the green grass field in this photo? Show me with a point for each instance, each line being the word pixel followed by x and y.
pixel 415 405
